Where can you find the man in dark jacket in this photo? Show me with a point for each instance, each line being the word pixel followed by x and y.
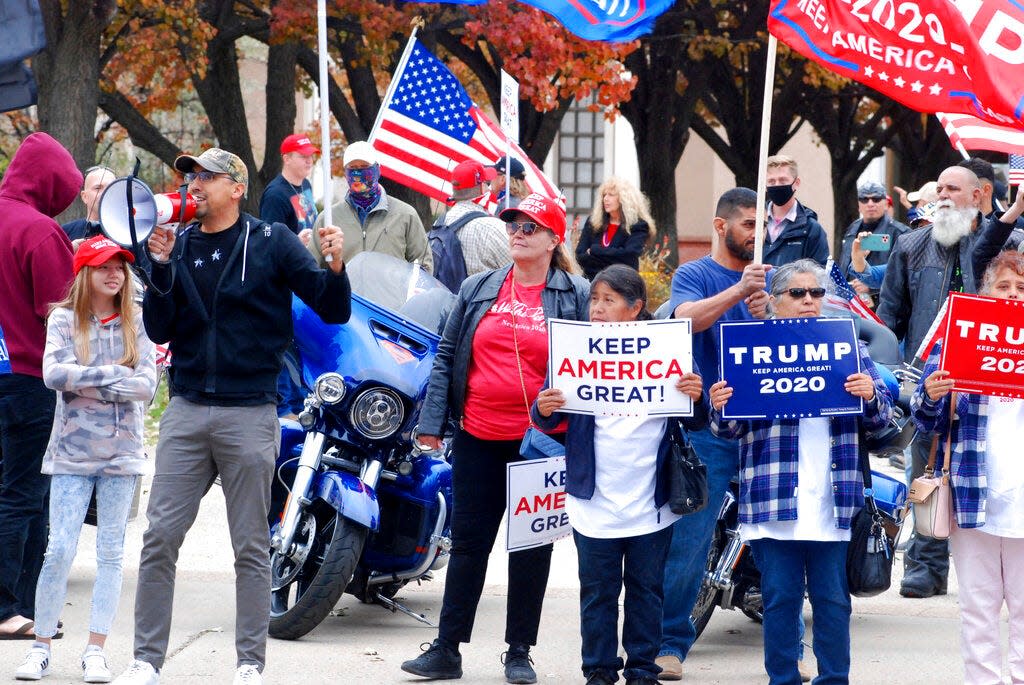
pixel 925 265
pixel 97 178
pixel 793 231
pixel 873 203
pixel 35 269
pixel 221 296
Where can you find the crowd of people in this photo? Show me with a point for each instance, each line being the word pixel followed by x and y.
pixel 82 365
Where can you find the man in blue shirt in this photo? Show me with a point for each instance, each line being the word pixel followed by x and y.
pixel 722 286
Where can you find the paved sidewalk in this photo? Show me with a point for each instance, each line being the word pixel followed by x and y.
pixel 894 639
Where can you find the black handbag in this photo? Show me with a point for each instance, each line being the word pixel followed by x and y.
pixel 688 476
pixel 872 549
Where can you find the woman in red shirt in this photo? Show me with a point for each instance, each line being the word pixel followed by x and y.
pixel 490 365
pixel 616 230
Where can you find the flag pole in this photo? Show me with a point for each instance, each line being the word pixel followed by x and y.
pixel 325 114
pixel 762 157
pixel 390 93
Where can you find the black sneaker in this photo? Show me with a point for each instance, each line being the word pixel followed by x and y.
pixel 646 680
pixel 437 662
pixel 600 677
pixel 518 668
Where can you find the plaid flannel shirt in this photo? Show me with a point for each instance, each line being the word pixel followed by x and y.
pixel 770 458
pixel 967 456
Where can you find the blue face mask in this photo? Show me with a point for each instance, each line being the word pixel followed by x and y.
pixel 364 184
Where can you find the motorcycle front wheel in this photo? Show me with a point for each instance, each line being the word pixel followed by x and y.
pixel 302 593
pixel 708 595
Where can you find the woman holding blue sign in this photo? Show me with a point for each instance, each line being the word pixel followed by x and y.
pixel 987 479
pixel 490 363
pixel 617 489
pixel 797 499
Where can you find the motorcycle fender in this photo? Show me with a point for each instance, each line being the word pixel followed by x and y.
pixel 350 497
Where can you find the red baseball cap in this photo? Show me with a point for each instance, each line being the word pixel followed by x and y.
pixel 470 174
pixel 299 142
pixel 96 251
pixel 543 210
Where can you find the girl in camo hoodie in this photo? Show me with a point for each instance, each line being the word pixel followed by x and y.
pixel 100 362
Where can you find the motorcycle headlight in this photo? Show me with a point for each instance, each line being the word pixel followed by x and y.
pixel 377 413
pixel 330 388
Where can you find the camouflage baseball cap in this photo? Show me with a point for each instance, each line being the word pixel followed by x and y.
pixel 218 160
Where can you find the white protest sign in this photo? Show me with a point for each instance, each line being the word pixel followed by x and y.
pixel 621 369
pixel 536 503
pixel 510 106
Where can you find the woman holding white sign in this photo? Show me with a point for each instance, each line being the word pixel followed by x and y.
pixel 797 499
pixel 490 364
pixel 987 478
pixel 616 470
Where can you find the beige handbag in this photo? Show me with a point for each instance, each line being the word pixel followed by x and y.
pixel 932 495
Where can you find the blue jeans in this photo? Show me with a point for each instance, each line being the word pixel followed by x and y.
pixel 69 500
pixel 606 564
pixel 784 564
pixel 691 537
pixel 26 417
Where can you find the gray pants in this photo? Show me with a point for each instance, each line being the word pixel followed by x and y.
pixel 196 443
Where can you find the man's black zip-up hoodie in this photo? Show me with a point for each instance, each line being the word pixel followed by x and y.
pixel 234 351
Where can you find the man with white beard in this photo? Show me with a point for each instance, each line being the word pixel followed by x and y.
pixel 925 265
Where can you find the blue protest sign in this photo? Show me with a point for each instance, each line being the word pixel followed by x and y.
pixel 789 368
pixel 5 356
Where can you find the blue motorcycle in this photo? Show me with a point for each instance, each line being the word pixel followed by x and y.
pixel 357 505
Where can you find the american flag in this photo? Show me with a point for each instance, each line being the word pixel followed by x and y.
pixel 1016 175
pixel 429 124
pixel 845 297
pixel 971 133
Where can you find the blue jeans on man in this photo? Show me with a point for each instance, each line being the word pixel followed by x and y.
pixel 691 537
pixel 784 565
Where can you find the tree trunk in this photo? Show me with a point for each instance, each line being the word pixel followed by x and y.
pixel 68 75
pixel 281 108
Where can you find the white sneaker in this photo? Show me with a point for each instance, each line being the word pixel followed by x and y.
pixel 138 673
pixel 35 665
pixel 94 666
pixel 247 674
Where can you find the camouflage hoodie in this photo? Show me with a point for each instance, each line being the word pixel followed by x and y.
pixel 97 429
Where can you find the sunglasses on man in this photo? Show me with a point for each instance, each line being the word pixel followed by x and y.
pixel 799 293
pixel 871 198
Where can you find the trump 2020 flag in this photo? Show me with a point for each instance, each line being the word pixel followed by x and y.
pixel 428 125
pixel 931 55
pixel 610 21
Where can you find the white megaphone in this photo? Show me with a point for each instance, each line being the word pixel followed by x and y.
pixel 150 210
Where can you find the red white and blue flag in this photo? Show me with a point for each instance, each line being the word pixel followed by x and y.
pixel 429 124
pixel 1016 175
pixel 611 21
pixel 931 55
pixel 967 132
pixel 845 297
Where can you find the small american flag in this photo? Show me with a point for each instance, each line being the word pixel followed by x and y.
pixel 429 124
pixel 1016 175
pixel 845 297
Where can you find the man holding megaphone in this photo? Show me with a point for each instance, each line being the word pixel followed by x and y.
pixel 221 296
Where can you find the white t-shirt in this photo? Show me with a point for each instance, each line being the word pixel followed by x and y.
pixel 626 455
pixel 1004 468
pixel 815 504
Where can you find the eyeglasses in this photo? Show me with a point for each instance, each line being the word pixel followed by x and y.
pixel 870 198
pixel 204 176
pixel 527 227
pixel 798 293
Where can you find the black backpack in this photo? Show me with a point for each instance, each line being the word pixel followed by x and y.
pixel 446 248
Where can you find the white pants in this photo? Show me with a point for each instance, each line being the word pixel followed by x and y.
pixel 985 568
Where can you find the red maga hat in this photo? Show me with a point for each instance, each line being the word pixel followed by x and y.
pixel 470 174
pixel 543 210
pixel 96 251
pixel 298 142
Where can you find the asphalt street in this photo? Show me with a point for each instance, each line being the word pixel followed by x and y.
pixel 894 639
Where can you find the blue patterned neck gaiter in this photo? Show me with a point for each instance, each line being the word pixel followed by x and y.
pixel 364 186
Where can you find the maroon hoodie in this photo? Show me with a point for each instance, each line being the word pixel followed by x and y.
pixel 35 254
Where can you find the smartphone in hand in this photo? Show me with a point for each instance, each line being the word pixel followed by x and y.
pixel 876 242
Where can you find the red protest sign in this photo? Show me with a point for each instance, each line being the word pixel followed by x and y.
pixel 917 51
pixel 983 348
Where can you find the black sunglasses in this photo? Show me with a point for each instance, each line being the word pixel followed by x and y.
pixel 527 227
pixel 798 293
pixel 870 198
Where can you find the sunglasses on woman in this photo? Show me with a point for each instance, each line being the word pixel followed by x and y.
pixel 527 227
pixel 798 293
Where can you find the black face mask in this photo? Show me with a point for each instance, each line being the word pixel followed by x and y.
pixel 779 195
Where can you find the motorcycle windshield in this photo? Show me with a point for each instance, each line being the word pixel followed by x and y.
pixel 391 337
